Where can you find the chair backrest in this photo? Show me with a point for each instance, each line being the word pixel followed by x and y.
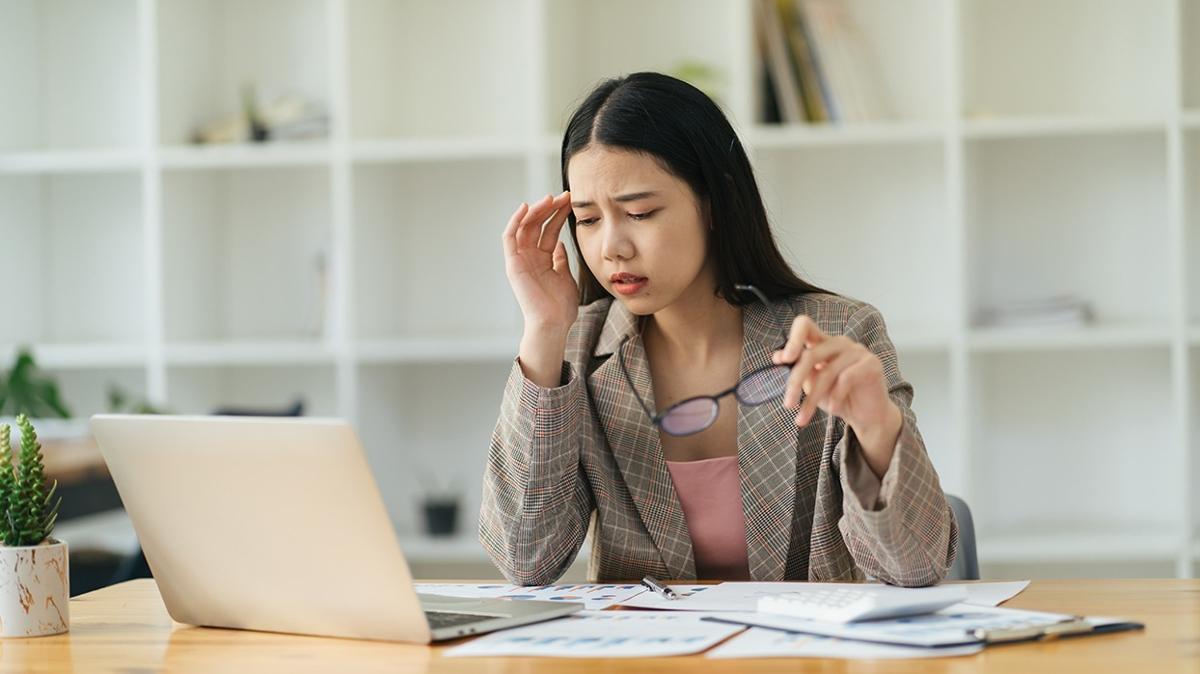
pixel 966 563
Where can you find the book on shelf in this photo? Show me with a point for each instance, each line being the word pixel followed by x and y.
pixel 1061 310
pixel 804 59
pixel 818 65
pixel 774 50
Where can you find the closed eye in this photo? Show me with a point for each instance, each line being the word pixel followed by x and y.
pixel 584 222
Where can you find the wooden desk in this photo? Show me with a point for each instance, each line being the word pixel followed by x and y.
pixel 125 628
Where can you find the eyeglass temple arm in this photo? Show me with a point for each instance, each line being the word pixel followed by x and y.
pixel 751 289
pixel 761 297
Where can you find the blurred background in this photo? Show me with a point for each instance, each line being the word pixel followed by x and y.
pixel 294 207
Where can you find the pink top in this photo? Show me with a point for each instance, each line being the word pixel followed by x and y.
pixel 711 495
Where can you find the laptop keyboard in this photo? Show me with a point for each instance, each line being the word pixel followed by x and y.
pixel 439 619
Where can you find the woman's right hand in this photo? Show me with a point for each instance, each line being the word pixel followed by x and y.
pixel 536 264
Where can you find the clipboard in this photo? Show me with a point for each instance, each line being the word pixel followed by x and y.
pixel 958 625
pixel 1077 626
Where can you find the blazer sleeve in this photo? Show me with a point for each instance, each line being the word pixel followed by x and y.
pixel 537 503
pixel 899 529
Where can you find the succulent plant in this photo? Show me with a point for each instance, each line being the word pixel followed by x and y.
pixel 28 514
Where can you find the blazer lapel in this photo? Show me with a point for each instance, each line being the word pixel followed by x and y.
pixel 767 442
pixel 634 440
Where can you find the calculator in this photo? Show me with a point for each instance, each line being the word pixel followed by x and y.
pixel 844 604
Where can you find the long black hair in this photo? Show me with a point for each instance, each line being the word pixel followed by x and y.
pixel 686 132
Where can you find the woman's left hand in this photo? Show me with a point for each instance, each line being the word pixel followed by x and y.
pixel 844 378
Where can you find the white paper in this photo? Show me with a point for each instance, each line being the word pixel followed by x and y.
pixel 743 597
pixel 758 642
pixel 594 597
pixel 993 594
pixel 604 634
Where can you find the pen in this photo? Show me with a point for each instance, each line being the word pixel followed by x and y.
pixel 664 591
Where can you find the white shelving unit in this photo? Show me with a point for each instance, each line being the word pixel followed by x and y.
pixel 1032 147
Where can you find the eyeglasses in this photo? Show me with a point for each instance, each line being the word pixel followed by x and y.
pixel 695 414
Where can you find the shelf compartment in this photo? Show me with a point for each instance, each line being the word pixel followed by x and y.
pixel 427 428
pixel 70 72
pixel 841 241
pixel 85 391
pixel 1055 217
pixel 75 251
pixel 1115 408
pixel 246 255
pixel 408 81
pixel 204 389
pixel 209 49
pixel 421 248
pixel 1072 58
pixel 901 51
pixel 587 42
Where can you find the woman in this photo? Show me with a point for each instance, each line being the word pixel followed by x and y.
pixel 808 466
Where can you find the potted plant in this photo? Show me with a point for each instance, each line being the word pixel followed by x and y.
pixel 25 389
pixel 34 572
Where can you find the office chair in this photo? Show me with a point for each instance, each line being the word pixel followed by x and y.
pixel 966 562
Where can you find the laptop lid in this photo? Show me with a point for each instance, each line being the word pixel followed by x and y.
pixel 263 524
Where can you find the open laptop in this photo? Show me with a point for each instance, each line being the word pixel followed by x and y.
pixel 276 524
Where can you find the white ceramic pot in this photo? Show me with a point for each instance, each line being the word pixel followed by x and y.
pixel 35 590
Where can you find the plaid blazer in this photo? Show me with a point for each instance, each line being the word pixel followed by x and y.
pixel 583 457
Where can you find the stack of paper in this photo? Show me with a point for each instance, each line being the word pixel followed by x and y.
pixel 1064 310
pixel 707 615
